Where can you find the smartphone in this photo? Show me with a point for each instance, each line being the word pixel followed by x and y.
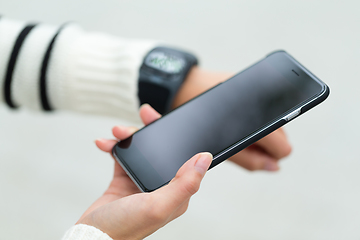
pixel 223 120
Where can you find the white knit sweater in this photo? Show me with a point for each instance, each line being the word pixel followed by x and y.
pixel 86 72
pixel 85 232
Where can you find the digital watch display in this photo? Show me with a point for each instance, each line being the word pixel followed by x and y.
pixel 165 62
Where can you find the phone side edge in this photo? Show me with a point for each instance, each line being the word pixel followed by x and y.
pixel 325 88
pixel 222 156
pixel 317 99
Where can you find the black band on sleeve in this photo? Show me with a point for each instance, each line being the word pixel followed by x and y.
pixel 43 74
pixel 11 64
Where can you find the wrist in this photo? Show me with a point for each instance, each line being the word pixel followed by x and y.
pixel 198 81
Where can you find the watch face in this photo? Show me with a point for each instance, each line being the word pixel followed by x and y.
pixel 165 62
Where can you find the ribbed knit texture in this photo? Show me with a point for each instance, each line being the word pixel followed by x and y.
pixel 9 31
pixel 25 83
pixel 85 232
pixel 87 72
pixel 103 75
pixel 92 73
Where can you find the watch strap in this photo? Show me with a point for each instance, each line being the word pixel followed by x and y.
pixel 155 95
pixel 159 88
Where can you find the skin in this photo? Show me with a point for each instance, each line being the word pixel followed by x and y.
pixel 125 213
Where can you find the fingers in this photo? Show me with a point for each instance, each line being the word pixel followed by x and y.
pixel 121 132
pixel 105 144
pixel 276 144
pixel 253 158
pixel 148 114
pixel 185 184
pixel 265 153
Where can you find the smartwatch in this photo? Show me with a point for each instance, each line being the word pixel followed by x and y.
pixel 162 72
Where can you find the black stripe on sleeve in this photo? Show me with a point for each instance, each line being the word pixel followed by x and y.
pixel 43 74
pixel 11 64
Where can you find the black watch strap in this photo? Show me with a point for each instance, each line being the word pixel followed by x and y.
pixel 158 85
pixel 155 95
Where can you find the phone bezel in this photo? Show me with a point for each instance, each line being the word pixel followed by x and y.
pixel 256 135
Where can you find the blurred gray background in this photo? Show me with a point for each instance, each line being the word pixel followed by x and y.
pixel 51 171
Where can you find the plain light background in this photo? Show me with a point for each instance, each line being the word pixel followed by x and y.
pixel 51 171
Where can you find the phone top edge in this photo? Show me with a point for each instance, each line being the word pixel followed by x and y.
pixel 270 127
pixel 307 71
pixel 282 120
pixel 319 98
pixel 276 51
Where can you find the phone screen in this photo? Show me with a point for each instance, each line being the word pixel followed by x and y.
pixel 216 119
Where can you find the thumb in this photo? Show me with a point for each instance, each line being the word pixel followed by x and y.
pixel 186 182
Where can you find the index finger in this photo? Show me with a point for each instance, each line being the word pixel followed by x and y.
pixel 275 144
pixel 148 114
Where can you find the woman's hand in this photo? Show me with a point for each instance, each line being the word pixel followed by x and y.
pixel 262 155
pixel 125 213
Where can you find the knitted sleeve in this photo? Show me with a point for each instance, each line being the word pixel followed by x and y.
pixel 45 67
pixel 85 232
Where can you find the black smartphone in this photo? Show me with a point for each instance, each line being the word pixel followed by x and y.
pixel 223 120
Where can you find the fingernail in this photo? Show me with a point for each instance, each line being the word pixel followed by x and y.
pixel 271 166
pixel 99 139
pixel 145 104
pixel 203 162
pixel 117 127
